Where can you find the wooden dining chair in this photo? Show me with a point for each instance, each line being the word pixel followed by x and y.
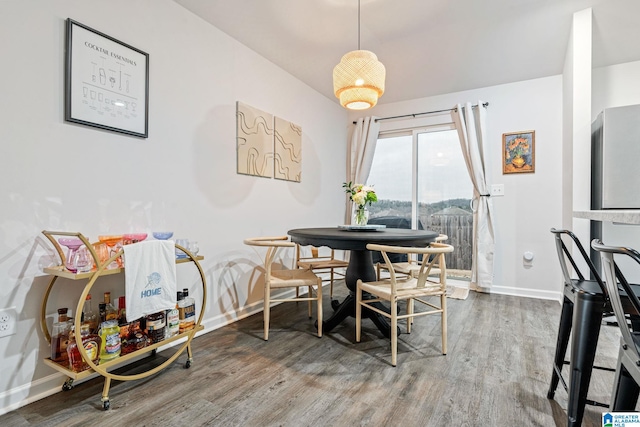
pixel 321 261
pixel 410 267
pixel 411 289
pixel 277 279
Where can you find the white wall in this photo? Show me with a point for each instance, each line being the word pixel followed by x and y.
pixel 60 176
pixel 532 202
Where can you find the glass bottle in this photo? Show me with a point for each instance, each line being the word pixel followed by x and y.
pixel 180 306
pixel 189 308
pixel 122 310
pixel 60 337
pixel 89 317
pixel 155 326
pixel 136 339
pixel 110 340
pixel 102 312
pixel 122 318
pixel 90 342
pixel 173 321
pixel 110 311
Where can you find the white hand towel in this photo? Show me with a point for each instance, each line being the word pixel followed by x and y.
pixel 150 277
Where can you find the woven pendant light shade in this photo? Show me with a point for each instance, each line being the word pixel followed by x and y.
pixel 358 80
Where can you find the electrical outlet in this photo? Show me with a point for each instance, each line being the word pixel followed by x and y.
pixel 8 321
pixel 497 190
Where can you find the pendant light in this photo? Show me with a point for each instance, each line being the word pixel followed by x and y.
pixel 358 80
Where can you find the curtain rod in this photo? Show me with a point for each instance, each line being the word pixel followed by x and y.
pixel 485 104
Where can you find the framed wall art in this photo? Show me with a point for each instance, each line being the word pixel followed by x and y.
pixel 518 152
pixel 106 82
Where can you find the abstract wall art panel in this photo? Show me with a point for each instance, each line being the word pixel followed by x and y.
pixel 254 141
pixel 287 151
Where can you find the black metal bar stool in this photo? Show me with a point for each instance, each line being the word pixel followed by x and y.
pixel 584 302
pixel 626 306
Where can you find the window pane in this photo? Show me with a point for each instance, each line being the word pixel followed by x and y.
pixel 391 177
pixel 444 194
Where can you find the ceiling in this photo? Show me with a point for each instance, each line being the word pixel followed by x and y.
pixel 428 47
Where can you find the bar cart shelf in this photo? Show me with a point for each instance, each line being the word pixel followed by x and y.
pixel 182 341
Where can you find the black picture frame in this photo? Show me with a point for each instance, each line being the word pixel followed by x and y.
pixel 106 82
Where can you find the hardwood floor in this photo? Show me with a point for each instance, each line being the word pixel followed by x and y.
pixel 496 374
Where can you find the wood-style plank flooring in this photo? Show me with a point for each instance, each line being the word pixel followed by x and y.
pixel 496 373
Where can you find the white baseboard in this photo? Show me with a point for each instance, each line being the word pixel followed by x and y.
pixel 526 293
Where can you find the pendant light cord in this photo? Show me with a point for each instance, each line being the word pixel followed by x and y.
pixel 358 24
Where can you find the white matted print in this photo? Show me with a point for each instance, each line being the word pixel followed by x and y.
pixel 254 141
pixel 106 82
pixel 287 151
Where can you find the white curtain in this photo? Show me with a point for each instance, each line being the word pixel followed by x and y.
pixel 360 154
pixel 471 131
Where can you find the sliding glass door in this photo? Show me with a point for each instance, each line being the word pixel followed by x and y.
pixel 422 183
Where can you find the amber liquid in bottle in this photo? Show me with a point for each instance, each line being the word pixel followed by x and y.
pixel 111 312
pixel 91 343
pixel 155 326
pixel 89 316
pixel 60 338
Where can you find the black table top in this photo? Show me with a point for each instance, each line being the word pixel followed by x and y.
pixel 337 238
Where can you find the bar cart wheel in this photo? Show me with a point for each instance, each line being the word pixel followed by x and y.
pixel 187 364
pixel 68 384
pixel 106 405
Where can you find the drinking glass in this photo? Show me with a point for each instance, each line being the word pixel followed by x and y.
pixel 72 244
pixel 114 243
pixel 185 244
pixel 82 260
pixel 194 248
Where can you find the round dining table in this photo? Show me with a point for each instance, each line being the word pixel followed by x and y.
pixel 360 265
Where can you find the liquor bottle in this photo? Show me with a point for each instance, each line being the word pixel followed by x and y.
pixel 122 318
pixel 110 340
pixel 173 321
pixel 102 312
pixel 189 307
pixel 60 337
pixel 111 312
pixel 180 307
pixel 91 344
pixel 155 326
pixel 136 339
pixel 122 310
pixel 89 317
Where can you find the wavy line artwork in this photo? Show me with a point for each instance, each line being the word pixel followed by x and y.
pixel 254 141
pixel 287 151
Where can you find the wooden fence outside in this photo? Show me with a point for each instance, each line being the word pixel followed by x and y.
pixel 459 228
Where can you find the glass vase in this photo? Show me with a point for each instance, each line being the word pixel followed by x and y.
pixel 360 215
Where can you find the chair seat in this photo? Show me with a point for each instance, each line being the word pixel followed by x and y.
pixel 291 278
pixel 331 263
pixel 404 289
pixel 410 267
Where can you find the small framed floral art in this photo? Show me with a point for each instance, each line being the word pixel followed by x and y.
pixel 518 152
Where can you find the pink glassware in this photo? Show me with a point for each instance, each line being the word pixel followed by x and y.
pixel 72 244
pixel 130 238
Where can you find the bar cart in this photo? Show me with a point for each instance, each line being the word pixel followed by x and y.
pixel 91 277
